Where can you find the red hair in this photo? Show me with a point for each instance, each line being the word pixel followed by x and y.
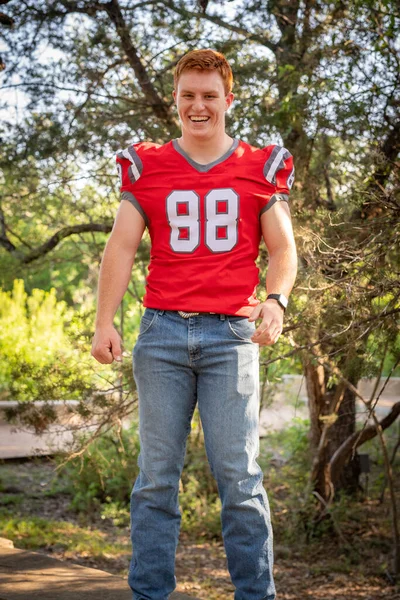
pixel 205 60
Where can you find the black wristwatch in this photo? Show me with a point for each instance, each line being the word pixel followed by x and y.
pixel 280 298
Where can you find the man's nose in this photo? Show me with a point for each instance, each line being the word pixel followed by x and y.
pixel 198 104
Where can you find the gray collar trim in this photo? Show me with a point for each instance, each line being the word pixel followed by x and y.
pixel 204 168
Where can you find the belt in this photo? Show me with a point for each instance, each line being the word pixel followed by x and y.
pixel 186 315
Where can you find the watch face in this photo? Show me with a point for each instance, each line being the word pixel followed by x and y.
pixel 283 300
pixel 280 298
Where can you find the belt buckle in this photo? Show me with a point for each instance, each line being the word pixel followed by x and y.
pixel 186 315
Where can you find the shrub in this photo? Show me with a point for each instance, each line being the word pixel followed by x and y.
pixel 37 359
pixel 105 473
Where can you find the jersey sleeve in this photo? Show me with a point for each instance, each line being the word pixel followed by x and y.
pixel 278 172
pixel 130 169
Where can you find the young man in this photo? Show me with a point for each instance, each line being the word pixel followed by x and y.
pixel 207 199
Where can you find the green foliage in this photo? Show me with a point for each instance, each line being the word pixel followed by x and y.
pixel 10 499
pixel 45 355
pixel 36 532
pixel 200 512
pixel 375 350
pixel 291 443
pixel 285 460
pixel 37 358
pixel 116 512
pixel 105 472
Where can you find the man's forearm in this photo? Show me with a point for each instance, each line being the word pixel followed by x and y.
pixel 115 273
pixel 282 271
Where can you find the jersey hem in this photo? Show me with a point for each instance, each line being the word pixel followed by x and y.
pixel 244 311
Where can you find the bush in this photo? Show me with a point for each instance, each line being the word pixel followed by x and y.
pixel 105 473
pixel 285 460
pixel 37 359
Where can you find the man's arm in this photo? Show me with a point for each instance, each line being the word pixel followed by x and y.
pixel 115 272
pixel 277 231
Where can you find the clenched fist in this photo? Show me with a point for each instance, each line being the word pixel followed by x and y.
pixel 106 345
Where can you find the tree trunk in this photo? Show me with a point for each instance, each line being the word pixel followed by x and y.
pixel 332 421
pixel 343 428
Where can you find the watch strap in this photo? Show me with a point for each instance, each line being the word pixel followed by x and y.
pixel 280 298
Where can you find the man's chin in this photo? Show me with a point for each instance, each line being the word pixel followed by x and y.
pixel 199 133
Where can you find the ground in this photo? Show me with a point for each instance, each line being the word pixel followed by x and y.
pixel 35 518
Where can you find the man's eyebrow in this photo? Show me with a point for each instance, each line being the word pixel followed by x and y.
pixel 207 92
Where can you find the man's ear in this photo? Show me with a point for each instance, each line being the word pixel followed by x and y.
pixel 229 99
pixel 174 95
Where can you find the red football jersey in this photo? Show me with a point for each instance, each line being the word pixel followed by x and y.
pixel 204 221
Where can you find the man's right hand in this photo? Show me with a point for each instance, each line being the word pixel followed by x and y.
pixel 106 345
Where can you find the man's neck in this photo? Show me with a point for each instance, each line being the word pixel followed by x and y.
pixel 205 151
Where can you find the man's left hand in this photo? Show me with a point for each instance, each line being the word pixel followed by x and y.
pixel 270 328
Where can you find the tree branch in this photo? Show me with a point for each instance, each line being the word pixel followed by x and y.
pixel 389 149
pixel 57 237
pixel 161 109
pixel 344 451
pixel 4 241
pixel 254 37
pixel 5 19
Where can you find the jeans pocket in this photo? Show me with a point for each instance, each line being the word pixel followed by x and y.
pixel 241 328
pixel 147 321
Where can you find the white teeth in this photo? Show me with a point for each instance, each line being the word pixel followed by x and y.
pixel 199 118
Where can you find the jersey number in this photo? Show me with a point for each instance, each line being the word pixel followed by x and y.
pixel 221 209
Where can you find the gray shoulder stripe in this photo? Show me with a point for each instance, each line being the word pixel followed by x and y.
pixel 135 159
pixel 273 199
pixel 136 166
pixel 131 198
pixel 290 179
pixel 119 170
pixel 275 163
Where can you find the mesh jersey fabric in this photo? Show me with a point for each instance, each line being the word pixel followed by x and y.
pixel 203 221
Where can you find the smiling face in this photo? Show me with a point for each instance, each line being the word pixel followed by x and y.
pixel 202 103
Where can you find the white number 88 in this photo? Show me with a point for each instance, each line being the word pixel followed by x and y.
pixel 221 215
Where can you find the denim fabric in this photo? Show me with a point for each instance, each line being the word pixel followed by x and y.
pixel 211 360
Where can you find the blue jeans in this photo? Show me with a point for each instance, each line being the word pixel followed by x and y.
pixel 211 360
